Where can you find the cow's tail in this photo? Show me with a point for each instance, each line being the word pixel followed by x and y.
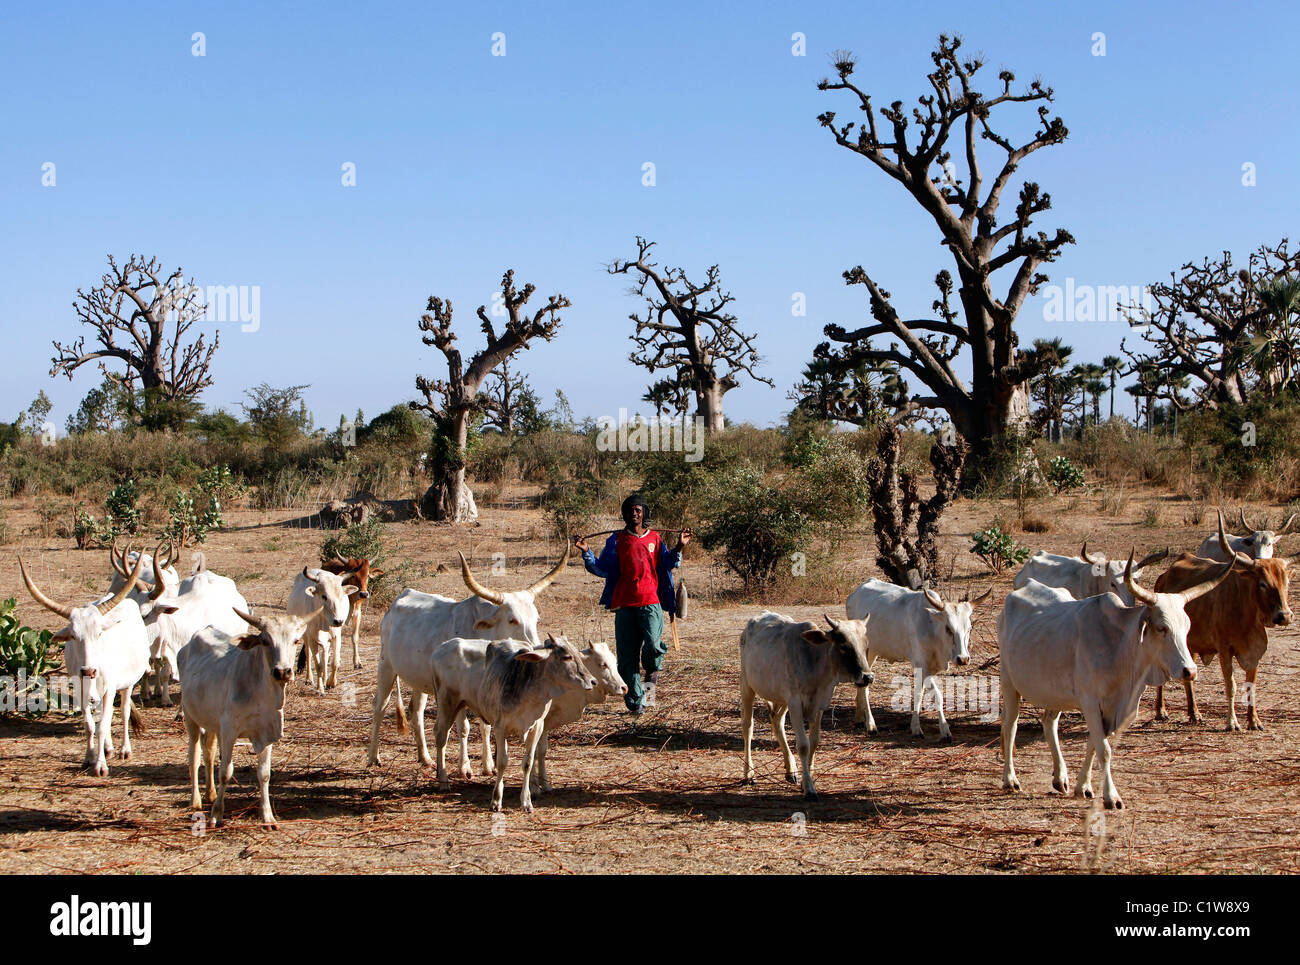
pixel 137 721
pixel 402 726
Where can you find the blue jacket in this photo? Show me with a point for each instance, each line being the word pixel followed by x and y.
pixel 607 568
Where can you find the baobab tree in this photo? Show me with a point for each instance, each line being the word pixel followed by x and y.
pixel 686 331
pixel 937 164
pixel 141 316
pixel 454 400
pixel 1220 326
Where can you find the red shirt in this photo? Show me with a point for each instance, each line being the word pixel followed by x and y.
pixel 638 570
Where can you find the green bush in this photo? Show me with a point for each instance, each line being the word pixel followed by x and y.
pixel 122 514
pixel 758 528
pixel 29 651
pixel 998 549
pixel 1064 475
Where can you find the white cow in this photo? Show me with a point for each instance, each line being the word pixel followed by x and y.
pixel 107 649
pixel 1259 545
pixel 510 686
pixel 794 667
pixel 418 622
pixel 1094 655
pixel 916 627
pixel 149 573
pixel 321 595
pixel 568 707
pixel 1082 576
pixel 232 687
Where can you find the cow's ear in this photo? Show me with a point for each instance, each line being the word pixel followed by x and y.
pixel 165 608
pixel 532 656
pixel 248 641
pixel 311 589
pixel 349 590
pixel 483 624
pixel 816 636
pixel 376 574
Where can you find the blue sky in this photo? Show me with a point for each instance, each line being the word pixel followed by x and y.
pixel 466 164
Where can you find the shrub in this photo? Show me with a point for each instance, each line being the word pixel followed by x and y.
pixel 572 506
pixel 997 549
pixel 758 528
pixel 366 540
pixel 26 650
pixel 1064 475
pixel 122 516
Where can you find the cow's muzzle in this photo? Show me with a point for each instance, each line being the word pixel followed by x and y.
pixel 282 675
pixel 1282 618
pixel 866 679
pixel 962 661
pixel 336 623
pixel 88 671
pixel 1189 673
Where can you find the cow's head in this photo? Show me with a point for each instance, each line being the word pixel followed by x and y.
pixel 601 664
pixel 561 665
pixel 848 638
pixel 515 616
pixel 86 623
pixel 1108 575
pixel 952 625
pixel 356 571
pixel 1259 543
pixel 329 591
pixel 1266 581
pixel 158 576
pixel 278 636
pixel 1164 633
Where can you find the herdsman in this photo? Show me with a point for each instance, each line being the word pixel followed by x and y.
pixel 637 570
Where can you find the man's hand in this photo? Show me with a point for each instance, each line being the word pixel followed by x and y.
pixel 685 537
pixel 580 543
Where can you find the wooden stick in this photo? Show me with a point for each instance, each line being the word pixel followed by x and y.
pixel 677 644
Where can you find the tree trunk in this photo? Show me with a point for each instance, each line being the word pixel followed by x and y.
pixel 448 498
pixel 709 402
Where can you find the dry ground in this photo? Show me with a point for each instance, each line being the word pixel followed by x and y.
pixel 662 794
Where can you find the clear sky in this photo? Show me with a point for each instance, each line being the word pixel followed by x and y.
pixel 467 163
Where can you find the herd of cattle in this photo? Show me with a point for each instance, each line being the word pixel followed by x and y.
pixel 1076 634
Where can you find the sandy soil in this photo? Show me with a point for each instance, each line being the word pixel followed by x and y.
pixel 661 794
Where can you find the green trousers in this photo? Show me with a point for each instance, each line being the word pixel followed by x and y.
pixel 638 642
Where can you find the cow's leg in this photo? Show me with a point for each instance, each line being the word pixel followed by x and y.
pixel 125 695
pixel 919 679
pixel 195 734
pixel 777 713
pixel 89 717
pixel 323 656
pixel 1193 712
pixel 862 703
pixel 104 737
pixel 264 785
pixel 1099 744
pixel 1084 787
pixel 210 759
pixel 1160 704
pixel 336 641
pixel 1010 718
pixel 485 733
pixel 462 728
pixel 309 647
pixel 499 788
pixel 227 772
pixel 539 767
pixel 356 636
pixel 384 681
pixel 419 699
pixel 945 732
pixel 805 749
pixel 814 738
pixel 1229 688
pixel 747 729
pixel 531 737
pixel 441 728
pixel 1252 706
pixel 1060 780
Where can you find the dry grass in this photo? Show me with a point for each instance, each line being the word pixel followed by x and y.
pixel 662 794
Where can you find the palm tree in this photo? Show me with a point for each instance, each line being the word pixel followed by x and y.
pixel 1274 342
pixel 1114 367
pixel 1051 384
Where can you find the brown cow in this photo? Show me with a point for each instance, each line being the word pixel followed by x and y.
pixel 1232 620
pixel 356 572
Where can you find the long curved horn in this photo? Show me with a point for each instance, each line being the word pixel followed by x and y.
pixel 158 563
pixel 119 566
pixel 1287 525
pixel 1142 595
pixel 1223 539
pixel 984 596
pixel 1153 558
pixel 1242 512
pixel 248 618
pixel 1083 555
pixel 556 570
pixel 933 598
pixel 41 598
pixel 1201 589
pixel 477 588
pixel 122 594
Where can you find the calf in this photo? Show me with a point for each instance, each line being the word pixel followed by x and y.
pixel 358 572
pixel 568 707
pixel 322 596
pixel 1094 655
pixel 232 687
pixel 107 649
pixel 1257 544
pixel 1232 621
pixel 794 667
pixel 915 626
pixel 510 686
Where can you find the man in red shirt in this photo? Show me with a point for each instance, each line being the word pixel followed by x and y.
pixel 637 569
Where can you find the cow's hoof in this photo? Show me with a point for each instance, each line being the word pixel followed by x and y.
pixel 467 774
pixel 792 778
pixel 917 732
pixel 873 730
pixel 810 795
pixel 101 769
pixel 1254 725
pixel 1084 792
pixel 945 738
pixel 124 755
pixel 357 665
pixel 1233 725
pixel 748 780
pixel 425 761
pixel 1011 785
pixel 1195 719
pixel 1061 784
pixel 1161 716
pixel 445 786
pixel 1116 805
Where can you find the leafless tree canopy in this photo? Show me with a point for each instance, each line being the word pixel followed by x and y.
pixel 1218 326
pixel 142 318
pixel 932 152
pixel 452 400
pixel 686 330
pixel 503 397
